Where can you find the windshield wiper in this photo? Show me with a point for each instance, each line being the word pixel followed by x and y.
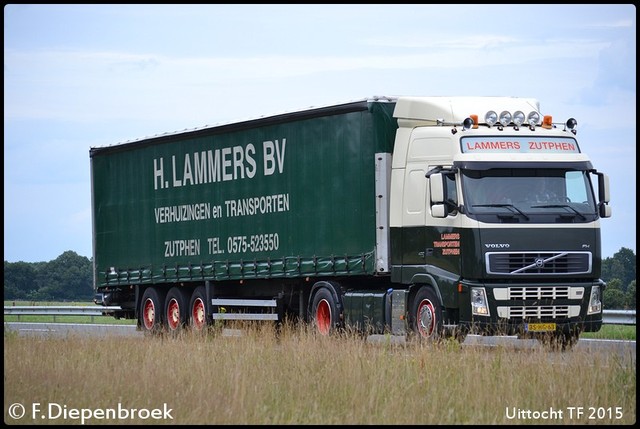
pixel 509 206
pixel 556 206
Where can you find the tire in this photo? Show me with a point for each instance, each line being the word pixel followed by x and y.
pixel 426 316
pixel 198 317
pixel 176 310
pixel 324 312
pixel 151 309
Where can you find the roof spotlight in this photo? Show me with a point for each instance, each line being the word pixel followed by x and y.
pixel 518 118
pixel 571 124
pixel 533 118
pixel 491 118
pixel 505 118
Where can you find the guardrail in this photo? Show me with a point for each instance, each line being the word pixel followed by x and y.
pixel 609 317
pixel 619 317
pixel 57 310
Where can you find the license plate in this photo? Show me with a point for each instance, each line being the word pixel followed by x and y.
pixel 540 327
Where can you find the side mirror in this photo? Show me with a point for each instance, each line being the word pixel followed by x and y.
pixel 436 188
pixel 605 210
pixel 604 194
pixel 439 210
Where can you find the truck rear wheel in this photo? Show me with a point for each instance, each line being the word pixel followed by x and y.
pixel 151 311
pixel 176 312
pixel 198 310
pixel 426 315
pixel 324 312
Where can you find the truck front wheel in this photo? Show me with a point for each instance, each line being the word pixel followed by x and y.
pixel 426 315
pixel 151 311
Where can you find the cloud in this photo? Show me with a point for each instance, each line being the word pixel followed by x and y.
pixel 84 85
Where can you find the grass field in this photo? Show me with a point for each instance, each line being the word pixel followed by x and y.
pixel 295 377
pixel 613 332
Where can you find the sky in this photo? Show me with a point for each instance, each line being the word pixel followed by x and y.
pixel 83 76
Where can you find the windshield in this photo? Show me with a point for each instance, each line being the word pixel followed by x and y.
pixel 525 192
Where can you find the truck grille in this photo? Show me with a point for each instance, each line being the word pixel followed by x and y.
pixel 547 292
pixel 543 312
pixel 538 263
pixel 538 293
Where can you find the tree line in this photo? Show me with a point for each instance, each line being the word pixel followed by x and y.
pixel 69 278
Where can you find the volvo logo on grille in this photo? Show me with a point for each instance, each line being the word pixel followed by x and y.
pixel 539 262
pixel 497 245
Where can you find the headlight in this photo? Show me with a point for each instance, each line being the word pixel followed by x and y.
pixel 479 306
pixel 595 303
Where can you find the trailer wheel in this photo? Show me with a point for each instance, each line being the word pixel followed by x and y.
pixel 324 312
pixel 151 311
pixel 426 315
pixel 176 313
pixel 198 309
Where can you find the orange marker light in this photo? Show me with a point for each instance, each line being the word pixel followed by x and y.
pixel 547 122
pixel 475 120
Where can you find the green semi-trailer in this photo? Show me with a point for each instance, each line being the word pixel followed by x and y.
pixel 389 215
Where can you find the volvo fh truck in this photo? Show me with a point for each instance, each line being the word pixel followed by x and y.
pixel 424 217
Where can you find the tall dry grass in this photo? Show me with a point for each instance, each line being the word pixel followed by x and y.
pixel 294 377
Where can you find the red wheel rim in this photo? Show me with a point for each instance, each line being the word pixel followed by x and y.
pixel 173 315
pixel 323 317
pixel 426 318
pixel 149 314
pixel 197 314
